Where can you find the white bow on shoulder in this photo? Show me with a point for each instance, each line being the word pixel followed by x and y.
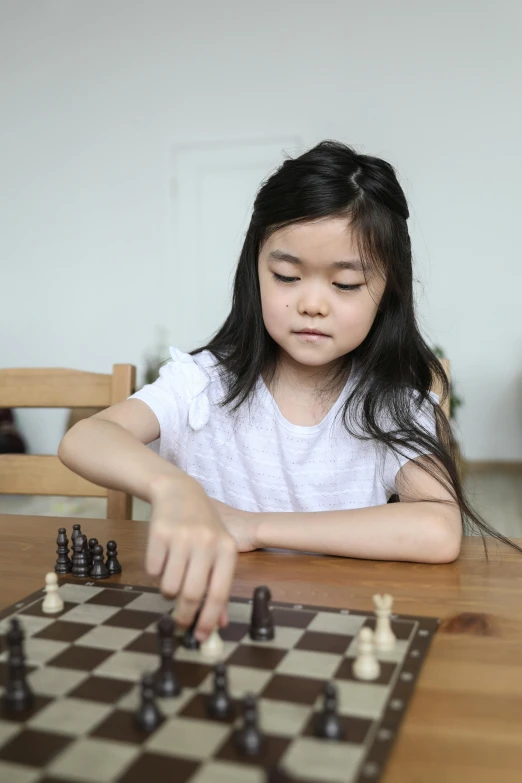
pixel 196 381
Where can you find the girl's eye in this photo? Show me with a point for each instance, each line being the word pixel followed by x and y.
pixel 281 279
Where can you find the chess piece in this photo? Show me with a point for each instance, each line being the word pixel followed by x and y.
pixel 148 716
pixel 366 666
pixel 213 647
pixel 99 569
pixel 52 603
pixel 261 620
pixel 112 562
pixel 165 681
pixel 189 640
pixel 383 637
pixel 248 739
pixel 219 703
pixel 76 531
pixel 90 551
pixel 63 563
pixel 327 722
pixel 18 695
pixel 80 564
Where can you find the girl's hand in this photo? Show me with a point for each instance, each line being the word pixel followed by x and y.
pixel 242 525
pixel 190 548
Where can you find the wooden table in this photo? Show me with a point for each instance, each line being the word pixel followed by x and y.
pixel 465 719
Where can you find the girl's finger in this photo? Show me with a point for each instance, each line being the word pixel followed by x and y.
pixel 216 603
pixel 174 571
pixel 156 554
pixel 192 590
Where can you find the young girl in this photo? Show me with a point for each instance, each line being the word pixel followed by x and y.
pixel 270 437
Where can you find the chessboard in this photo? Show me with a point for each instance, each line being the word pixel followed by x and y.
pixel 85 665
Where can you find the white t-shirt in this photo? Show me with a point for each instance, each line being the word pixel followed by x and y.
pixel 266 463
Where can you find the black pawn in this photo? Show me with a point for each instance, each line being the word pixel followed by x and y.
pixel 328 723
pixel 112 562
pixel 63 563
pixel 189 640
pixel 98 568
pixel 90 551
pixel 248 739
pixel 80 563
pixel 18 695
pixel 166 682
pixel 76 531
pixel 219 703
pixel 148 716
pixel 261 620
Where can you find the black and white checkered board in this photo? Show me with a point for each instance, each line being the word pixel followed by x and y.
pixel 84 666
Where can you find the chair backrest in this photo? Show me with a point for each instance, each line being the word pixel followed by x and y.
pixel 33 474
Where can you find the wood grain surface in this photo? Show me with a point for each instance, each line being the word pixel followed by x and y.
pixel 465 719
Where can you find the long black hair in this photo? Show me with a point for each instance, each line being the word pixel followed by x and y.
pixel 333 181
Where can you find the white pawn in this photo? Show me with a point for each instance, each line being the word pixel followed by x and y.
pixel 384 637
pixel 52 603
pixel 366 666
pixel 213 646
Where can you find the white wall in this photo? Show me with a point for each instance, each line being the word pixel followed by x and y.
pixel 105 104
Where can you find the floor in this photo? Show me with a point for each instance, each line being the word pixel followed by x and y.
pixel 495 493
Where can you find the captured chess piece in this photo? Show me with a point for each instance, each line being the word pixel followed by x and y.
pixel 366 666
pixel 248 739
pixel 112 562
pixel 18 695
pixel 52 603
pixel 90 550
pixel 80 563
pixel 76 531
pixel 166 683
pixel 98 569
pixel 148 715
pixel 219 703
pixel 63 563
pixel 327 722
pixel 261 619
pixel 383 637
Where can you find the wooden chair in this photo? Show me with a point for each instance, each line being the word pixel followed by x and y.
pixel 43 474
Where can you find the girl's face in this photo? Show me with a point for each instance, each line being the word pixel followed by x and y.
pixel 315 298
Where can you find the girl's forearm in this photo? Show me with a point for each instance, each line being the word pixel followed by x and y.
pixel 420 532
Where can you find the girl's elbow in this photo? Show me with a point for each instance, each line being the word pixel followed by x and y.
pixel 447 541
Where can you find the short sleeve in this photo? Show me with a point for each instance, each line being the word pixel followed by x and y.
pixel 177 398
pixel 165 398
pixel 425 419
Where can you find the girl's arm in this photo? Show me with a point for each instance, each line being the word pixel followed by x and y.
pixel 417 532
pixel 422 532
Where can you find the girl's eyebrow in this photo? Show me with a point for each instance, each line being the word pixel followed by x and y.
pixel 350 263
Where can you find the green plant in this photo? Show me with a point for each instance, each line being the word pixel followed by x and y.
pixel 455 400
pixel 154 360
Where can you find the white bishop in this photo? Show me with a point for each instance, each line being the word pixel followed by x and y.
pixel 384 637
